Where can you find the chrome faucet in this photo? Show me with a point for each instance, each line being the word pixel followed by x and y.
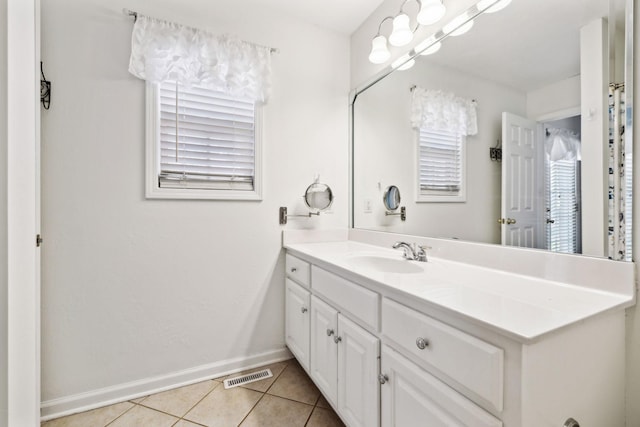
pixel 410 251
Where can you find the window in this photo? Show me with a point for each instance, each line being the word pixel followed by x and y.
pixel 441 166
pixel 201 144
pixel 563 234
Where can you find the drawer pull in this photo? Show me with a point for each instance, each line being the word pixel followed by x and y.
pixel 293 269
pixel 421 343
pixel 382 378
pixel 337 339
pixel 329 332
pixel 304 310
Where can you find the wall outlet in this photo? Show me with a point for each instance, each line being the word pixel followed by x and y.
pixel 368 206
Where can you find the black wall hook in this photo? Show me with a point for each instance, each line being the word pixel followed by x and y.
pixel 45 89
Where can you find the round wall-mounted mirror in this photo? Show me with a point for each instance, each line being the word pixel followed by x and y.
pixel 391 198
pixel 318 196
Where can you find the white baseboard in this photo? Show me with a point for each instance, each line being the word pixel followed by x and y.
pixel 81 402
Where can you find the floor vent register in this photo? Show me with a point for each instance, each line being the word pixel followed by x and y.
pixel 248 378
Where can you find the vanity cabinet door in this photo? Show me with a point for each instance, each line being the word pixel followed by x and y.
pixel 324 351
pixel 297 322
pixel 411 397
pixel 358 387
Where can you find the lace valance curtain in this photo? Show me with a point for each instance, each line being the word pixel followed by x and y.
pixel 443 111
pixel 166 51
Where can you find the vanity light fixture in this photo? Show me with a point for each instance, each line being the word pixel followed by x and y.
pixel 401 34
pixel 458 26
pixel 379 50
pixel 428 47
pixel 490 6
pixel 430 12
pixel 403 63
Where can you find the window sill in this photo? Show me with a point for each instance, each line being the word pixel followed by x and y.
pixel 195 194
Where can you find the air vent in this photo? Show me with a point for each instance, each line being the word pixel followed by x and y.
pixel 249 378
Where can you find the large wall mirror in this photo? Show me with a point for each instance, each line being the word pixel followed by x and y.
pixel 547 161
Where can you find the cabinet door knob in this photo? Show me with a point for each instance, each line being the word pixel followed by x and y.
pixel 293 269
pixel 571 423
pixel 382 378
pixel 421 343
pixel 304 309
pixel 337 339
pixel 329 332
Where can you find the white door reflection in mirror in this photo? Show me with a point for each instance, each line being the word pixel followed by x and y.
pixel 521 182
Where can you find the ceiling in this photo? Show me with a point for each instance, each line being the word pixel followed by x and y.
pixel 342 16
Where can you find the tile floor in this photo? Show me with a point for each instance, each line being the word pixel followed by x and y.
pixel 288 399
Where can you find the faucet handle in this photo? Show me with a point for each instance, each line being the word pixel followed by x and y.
pixel 421 254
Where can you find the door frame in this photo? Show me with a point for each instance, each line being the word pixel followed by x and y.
pixel 23 212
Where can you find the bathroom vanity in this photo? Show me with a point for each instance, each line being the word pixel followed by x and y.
pixel 392 342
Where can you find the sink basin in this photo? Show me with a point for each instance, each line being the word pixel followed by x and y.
pixel 382 264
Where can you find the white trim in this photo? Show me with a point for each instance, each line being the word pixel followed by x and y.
pixel 81 402
pixel 23 314
pixel 153 190
pixel 560 114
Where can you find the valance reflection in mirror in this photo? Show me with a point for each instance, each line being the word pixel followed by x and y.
pixel 537 62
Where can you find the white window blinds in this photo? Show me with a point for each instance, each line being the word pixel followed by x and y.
pixel 207 139
pixel 563 209
pixel 440 163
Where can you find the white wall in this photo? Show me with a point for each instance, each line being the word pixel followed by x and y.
pixel 560 96
pixel 382 120
pixel 3 214
pixel 136 288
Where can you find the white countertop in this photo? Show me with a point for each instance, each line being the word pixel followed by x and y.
pixel 521 307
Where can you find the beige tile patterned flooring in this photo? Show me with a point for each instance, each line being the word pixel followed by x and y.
pixel 288 399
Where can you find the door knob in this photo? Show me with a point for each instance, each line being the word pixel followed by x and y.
pixel 304 310
pixel 382 378
pixel 511 221
pixel 337 339
pixel 550 221
pixel 501 220
pixel 329 332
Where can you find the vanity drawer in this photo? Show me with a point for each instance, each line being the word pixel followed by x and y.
pixel 298 270
pixel 354 299
pixel 471 362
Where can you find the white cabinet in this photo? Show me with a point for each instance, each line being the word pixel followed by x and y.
pixel 441 368
pixel 410 397
pixel 344 364
pixel 297 321
pixel 471 363
pixel 358 388
pixel 324 351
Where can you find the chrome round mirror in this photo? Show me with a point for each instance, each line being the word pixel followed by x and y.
pixel 391 198
pixel 318 196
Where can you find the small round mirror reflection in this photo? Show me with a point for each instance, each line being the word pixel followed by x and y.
pixel 318 196
pixel 391 198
